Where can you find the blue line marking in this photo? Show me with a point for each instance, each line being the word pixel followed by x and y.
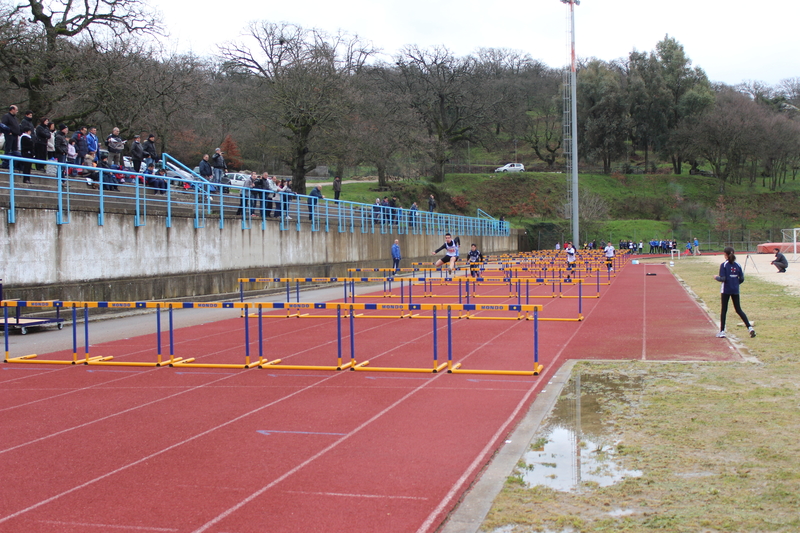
pixel 268 432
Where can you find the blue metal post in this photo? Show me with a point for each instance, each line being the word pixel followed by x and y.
pixel 171 335
pixel 158 329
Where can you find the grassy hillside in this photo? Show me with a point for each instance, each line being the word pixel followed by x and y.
pixel 618 206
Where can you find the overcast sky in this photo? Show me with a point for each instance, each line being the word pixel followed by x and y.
pixel 732 41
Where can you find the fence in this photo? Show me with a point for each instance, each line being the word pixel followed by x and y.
pixel 186 194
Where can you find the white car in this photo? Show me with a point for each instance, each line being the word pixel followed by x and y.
pixel 234 178
pixel 511 167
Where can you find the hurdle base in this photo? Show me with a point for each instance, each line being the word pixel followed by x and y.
pixel 31 358
pixel 364 368
pixel 537 369
pixel 107 362
pixel 187 364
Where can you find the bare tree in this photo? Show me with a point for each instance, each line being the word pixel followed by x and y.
pixel 441 91
pixel 304 76
pixel 59 20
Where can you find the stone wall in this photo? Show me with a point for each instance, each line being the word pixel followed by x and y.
pixel 119 261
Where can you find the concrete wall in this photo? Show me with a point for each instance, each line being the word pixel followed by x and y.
pixel 118 261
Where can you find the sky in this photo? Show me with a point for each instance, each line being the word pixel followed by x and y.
pixel 732 41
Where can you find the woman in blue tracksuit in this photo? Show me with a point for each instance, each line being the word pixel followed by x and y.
pixel 731 276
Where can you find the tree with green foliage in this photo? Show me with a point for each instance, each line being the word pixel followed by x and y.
pixel 689 94
pixel 603 122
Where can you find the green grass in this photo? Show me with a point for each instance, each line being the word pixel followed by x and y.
pixel 716 442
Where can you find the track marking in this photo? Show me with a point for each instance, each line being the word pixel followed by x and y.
pixel 107 526
pixel 157 453
pixel 480 459
pixel 644 316
pixel 381 496
pixel 268 432
pixel 336 443
pixel 107 417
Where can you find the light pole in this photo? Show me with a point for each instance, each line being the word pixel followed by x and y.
pixel 573 82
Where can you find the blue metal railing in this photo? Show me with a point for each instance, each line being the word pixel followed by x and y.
pixel 65 186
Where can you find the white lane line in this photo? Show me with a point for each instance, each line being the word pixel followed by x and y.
pixel 156 454
pixel 481 458
pixel 344 495
pixel 106 526
pixel 336 443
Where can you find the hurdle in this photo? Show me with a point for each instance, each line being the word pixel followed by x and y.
pixel 537 368
pixel 87 358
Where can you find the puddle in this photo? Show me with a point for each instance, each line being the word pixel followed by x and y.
pixel 575 448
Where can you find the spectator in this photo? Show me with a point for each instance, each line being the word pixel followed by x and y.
pixel 72 155
pixel 218 164
pixel 337 187
pixel 51 142
pixel 696 250
pixel 11 132
pixel 137 154
pixel 115 145
pixel 27 120
pixel 155 181
pixel 61 143
pixel 431 203
pixel 26 150
pixel 376 210
pixel 81 147
pixel 396 257
pixel 780 262
pixel 313 199
pixel 205 168
pixel 412 216
pixel 285 193
pixel 107 177
pixel 270 198
pixel 92 143
pixel 40 138
pixel 244 205
pixel 150 153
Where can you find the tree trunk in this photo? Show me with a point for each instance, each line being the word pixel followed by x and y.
pixel 381 174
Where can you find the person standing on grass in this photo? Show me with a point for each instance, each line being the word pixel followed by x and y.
pixel 696 250
pixel 337 187
pixel 431 203
pixel 396 257
pixel 780 262
pixel 731 276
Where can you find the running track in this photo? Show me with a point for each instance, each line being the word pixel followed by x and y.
pixel 102 449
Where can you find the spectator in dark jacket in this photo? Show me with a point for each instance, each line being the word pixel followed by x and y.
pixel 81 146
pixel 137 154
pixel 314 197
pixel 40 138
pixel 11 132
pixel 205 168
pixel 62 144
pixel 780 262
pixel 26 150
pixel 150 153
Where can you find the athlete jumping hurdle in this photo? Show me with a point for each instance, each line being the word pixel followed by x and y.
pixel 451 253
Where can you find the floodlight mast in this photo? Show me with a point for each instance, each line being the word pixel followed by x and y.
pixel 571 110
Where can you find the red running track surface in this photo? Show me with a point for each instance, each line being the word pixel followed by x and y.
pixel 187 450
